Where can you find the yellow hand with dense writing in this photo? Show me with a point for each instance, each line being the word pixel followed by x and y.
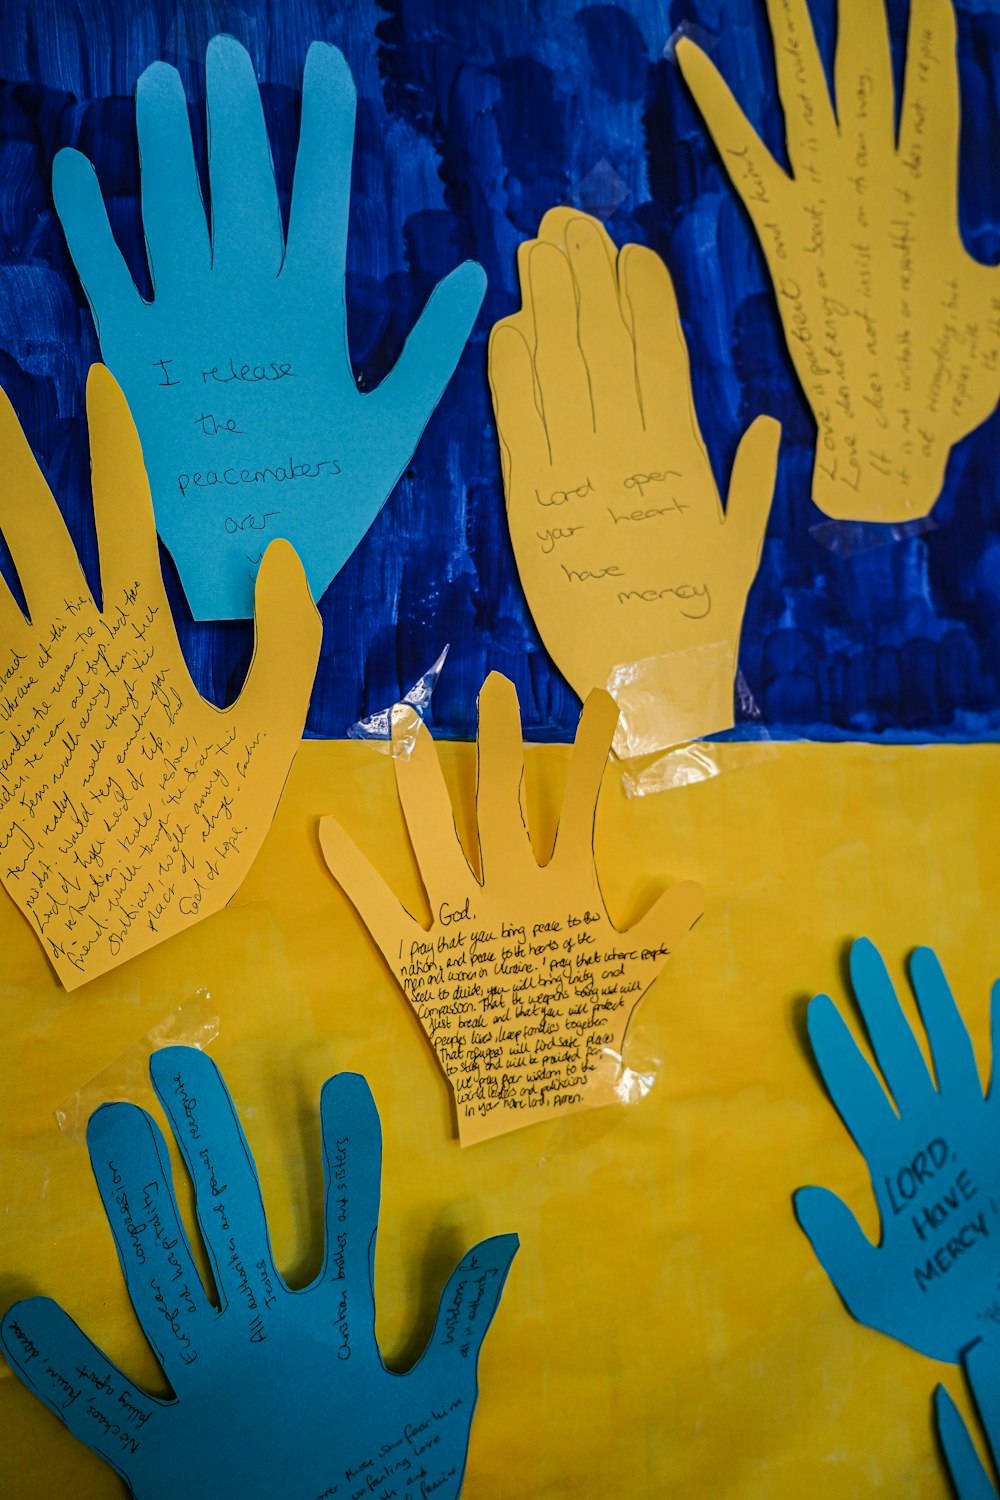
pixel 894 330
pixel 521 981
pixel 636 578
pixel 129 806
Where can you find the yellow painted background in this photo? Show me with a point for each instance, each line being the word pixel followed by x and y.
pixel 665 1328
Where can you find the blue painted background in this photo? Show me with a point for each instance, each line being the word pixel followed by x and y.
pixel 474 117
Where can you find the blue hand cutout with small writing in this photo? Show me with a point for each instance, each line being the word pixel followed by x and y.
pixel 934 1280
pixel 278 1394
pixel 237 372
pixel 982 1364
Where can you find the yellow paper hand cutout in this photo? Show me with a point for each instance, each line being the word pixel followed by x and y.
pixel 636 578
pixel 521 982
pixel 894 330
pixel 129 807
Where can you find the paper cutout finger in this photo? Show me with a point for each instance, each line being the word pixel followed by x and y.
pixel 277 1393
pixel 521 982
pixel 130 807
pixel 238 372
pixel 971 1481
pixel 893 329
pixel 930 1143
pixel 636 577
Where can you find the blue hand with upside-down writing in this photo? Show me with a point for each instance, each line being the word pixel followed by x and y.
pixel 238 372
pixel 933 1281
pixel 278 1394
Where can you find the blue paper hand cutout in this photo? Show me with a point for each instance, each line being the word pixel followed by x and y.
pixel 934 1280
pixel 278 1393
pixel 982 1363
pixel 238 372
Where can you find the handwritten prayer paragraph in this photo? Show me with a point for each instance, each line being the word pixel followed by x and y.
pixel 521 982
pixel 894 330
pixel 129 807
pixel 523 1015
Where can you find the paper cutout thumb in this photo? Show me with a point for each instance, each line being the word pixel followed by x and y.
pixel 971 1481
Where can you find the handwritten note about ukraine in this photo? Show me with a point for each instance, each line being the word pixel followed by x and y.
pixel 129 807
pixel 521 982
pixel 523 1015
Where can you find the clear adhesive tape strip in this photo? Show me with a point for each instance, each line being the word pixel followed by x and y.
pixel 194 1023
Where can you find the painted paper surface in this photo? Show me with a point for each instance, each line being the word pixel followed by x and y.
pixel 893 328
pixel 852 631
pixel 522 983
pixel 969 1477
pixel 238 371
pixel 736 1120
pixel 630 565
pixel 277 1393
pixel 129 807
pixel 930 1142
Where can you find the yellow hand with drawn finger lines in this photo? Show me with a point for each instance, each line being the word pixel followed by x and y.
pixel 129 807
pixel 893 329
pixel 636 578
pixel 521 982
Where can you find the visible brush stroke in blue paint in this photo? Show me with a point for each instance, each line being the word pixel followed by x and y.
pixel 473 119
